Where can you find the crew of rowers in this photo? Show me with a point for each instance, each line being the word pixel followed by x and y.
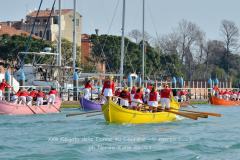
pixel 137 97
pixel 226 94
pixel 28 97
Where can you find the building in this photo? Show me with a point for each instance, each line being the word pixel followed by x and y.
pixel 51 31
pixel 7 28
pixel 86 49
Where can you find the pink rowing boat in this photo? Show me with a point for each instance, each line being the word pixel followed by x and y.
pixel 20 109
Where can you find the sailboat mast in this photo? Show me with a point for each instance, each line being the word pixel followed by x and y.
pixel 122 43
pixel 143 42
pixel 59 35
pixel 74 36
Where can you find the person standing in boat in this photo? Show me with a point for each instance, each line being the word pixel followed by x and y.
pixel 32 95
pixel 108 88
pixel 153 100
pixel 52 96
pixel 40 95
pixel 166 94
pixel 125 97
pixel 22 99
pixel 215 90
pixel 3 85
pixel 88 90
pixel 137 99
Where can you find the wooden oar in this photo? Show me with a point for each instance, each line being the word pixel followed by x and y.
pixel 55 107
pixel 191 116
pixel 91 115
pixel 26 103
pixel 82 113
pixel 205 113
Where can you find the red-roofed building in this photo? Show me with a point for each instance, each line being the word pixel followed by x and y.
pixel 7 28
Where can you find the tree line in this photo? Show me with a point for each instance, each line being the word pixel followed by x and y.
pixel 186 52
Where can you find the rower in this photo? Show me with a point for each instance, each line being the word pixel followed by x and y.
pixel 153 100
pixel 88 89
pixel 117 92
pixel 14 98
pixel 108 88
pixel 215 90
pixel 125 97
pixel 23 97
pixel 40 95
pixel 133 91
pixel 165 93
pixel 3 85
pixel 52 96
pixel 138 98
pixel 32 95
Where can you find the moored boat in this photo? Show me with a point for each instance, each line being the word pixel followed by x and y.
pixel 89 105
pixel 113 113
pixel 222 102
pixel 20 109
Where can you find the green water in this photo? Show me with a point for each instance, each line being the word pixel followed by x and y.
pixel 46 137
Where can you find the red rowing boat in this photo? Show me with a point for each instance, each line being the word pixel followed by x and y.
pixel 217 101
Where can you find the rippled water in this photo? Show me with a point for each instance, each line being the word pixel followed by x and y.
pixel 47 137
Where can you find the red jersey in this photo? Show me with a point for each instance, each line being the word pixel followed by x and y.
pixel 53 92
pixel 153 96
pixel 183 92
pixel 40 94
pixel 24 93
pixel 125 95
pixel 4 85
pixel 138 95
pixel 33 93
pixel 215 88
pixel 18 93
pixel 88 85
pixel 109 84
pixel 117 93
pixel 133 91
pixel 165 93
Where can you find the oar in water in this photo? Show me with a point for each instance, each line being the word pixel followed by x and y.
pixel 55 107
pixel 91 115
pixel 26 103
pixel 205 113
pixel 82 113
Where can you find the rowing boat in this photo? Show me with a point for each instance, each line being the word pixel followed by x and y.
pixel 21 109
pixel 114 113
pixel 89 105
pixel 217 101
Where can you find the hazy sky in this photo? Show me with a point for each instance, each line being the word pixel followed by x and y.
pixel 161 15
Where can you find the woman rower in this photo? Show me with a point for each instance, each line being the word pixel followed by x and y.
pixel 137 99
pixel 40 96
pixel 125 97
pixel 52 96
pixel 23 97
pixel 88 89
pixel 3 85
pixel 153 100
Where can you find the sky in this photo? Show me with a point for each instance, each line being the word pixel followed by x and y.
pixel 161 17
